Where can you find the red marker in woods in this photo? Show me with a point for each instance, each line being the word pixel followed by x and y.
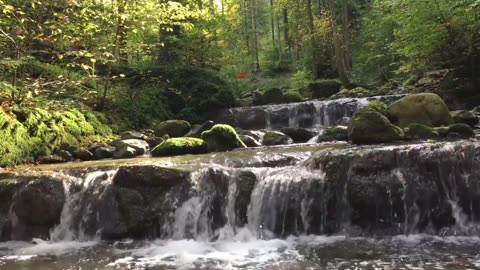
pixel 242 75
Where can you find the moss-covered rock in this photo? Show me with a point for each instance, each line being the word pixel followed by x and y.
pixel 466 117
pixel 324 88
pixel 196 132
pixel 180 146
pixel 464 130
pixel 222 138
pixel 338 133
pixel 369 127
pixel 422 132
pixel 299 135
pixel 292 96
pixel 172 128
pixel 273 96
pixel 378 106
pixel 442 131
pixel 276 138
pixel 426 109
pixel 357 92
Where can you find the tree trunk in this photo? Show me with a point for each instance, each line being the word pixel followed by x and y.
pixel 272 14
pixel 346 41
pixel 255 37
pixel 312 40
pixel 286 38
pixel 337 46
pixel 121 34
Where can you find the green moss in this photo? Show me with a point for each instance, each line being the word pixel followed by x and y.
pixel 419 131
pixel 442 131
pixel 378 106
pixel 180 146
pixel 368 126
pixel 41 132
pixel 273 96
pixel 222 138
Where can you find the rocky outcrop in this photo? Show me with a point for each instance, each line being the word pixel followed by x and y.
pixel 276 138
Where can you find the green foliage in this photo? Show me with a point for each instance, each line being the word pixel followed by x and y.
pixel 36 132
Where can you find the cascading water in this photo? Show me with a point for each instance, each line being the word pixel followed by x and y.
pixel 255 218
pixel 309 114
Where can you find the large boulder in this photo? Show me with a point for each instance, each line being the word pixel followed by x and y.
pixel 104 152
pixel 465 117
pixel 276 138
pixel 180 146
pixel 426 109
pixel 368 126
pixel 172 128
pixel 222 138
pixel 125 152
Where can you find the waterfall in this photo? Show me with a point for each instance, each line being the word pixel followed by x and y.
pixel 77 206
pixel 308 114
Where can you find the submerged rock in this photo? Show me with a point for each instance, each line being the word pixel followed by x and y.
pixel 369 127
pixel 222 138
pixel 180 146
pixel 172 128
pixel 426 109
pixel 276 138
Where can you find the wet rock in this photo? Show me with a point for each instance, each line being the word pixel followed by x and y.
pixel 276 138
pixel 51 159
pixel 125 152
pixel 255 118
pixel 104 152
pixel 95 146
pixel 172 128
pixel 127 135
pixel 465 117
pixel 249 141
pixel 369 127
pixel 37 205
pixel 154 141
pixel 180 146
pixel 83 154
pixel 299 135
pixel 222 138
pixel 256 134
pixel 65 155
pixel 245 183
pixel 426 109
pixel 141 147
pixel 196 132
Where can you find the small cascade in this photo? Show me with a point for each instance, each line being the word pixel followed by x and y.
pixel 309 114
pixel 77 206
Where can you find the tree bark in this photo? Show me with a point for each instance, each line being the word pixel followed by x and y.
pixel 312 40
